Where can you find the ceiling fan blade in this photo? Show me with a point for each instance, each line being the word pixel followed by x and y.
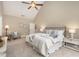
pixel 39 4
pixel 29 7
pixel 36 8
pixel 25 2
pixel 32 2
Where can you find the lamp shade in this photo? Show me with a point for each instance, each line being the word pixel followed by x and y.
pixel 42 28
pixel 33 5
pixel 72 30
pixel 6 27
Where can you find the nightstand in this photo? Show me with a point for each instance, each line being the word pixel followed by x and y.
pixel 72 44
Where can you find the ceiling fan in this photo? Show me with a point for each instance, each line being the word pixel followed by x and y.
pixel 33 4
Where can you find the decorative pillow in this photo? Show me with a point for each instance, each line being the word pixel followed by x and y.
pixel 53 34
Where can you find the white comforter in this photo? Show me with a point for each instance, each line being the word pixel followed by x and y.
pixel 42 42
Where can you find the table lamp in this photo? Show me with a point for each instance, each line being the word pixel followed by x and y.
pixel 6 29
pixel 72 31
pixel 42 28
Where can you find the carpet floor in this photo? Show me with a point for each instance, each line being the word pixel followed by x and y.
pixel 19 48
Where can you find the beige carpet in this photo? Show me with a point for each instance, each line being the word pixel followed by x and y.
pixel 19 48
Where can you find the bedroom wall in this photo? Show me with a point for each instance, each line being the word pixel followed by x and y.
pixel 0 18
pixel 59 13
pixel 0 8
pixel 16 24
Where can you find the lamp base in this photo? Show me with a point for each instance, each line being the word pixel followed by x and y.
pixel 72 36
pixel 6 32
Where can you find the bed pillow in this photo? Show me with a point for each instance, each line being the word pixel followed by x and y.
pixel 60 32
pixel 48 31
pixel 43 35
pixel 53 34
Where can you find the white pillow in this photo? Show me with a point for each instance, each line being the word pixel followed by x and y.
pixel 48 31
pixel 54 33
pixel 60 32
pixel 42 35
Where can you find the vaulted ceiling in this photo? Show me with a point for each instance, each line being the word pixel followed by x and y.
pixel 18 9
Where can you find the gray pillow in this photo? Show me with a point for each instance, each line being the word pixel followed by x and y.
pixel 53 34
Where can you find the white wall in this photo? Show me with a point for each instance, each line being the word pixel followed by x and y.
pixel 0 25
pixel 61 13
pixel 0 18
pixel 16 24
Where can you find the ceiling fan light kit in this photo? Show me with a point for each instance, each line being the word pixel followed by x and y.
pixel 33 4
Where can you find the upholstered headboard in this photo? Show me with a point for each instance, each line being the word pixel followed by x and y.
pixel 57 28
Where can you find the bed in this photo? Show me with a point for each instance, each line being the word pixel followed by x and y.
pixel 48 41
